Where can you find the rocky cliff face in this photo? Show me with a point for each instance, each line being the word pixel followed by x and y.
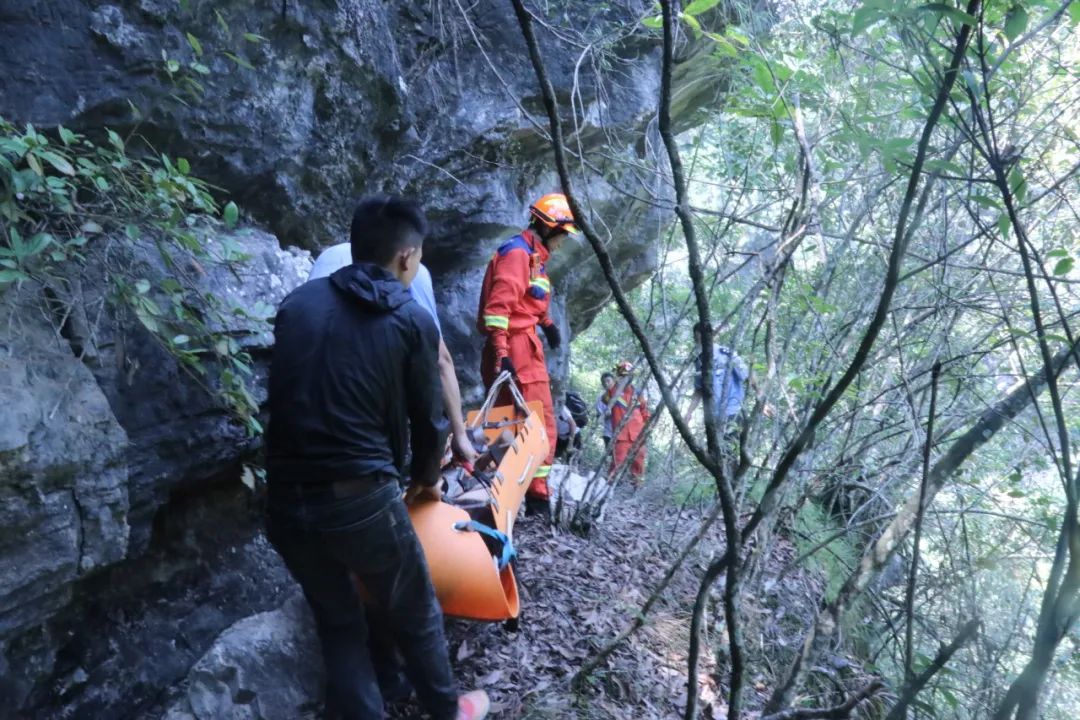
pixel 127 539
pixel 127 542
pixel 297 108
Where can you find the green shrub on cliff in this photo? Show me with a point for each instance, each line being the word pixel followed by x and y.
pixel 68 202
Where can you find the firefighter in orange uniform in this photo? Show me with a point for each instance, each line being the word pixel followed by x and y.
pixel 621 399
pixel 514 300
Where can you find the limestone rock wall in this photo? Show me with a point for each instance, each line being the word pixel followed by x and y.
pixel 127 540
pixel 300 107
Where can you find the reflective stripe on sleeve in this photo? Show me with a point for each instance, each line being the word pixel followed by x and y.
pixel 497 321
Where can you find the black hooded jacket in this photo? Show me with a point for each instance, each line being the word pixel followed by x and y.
pixel 354 368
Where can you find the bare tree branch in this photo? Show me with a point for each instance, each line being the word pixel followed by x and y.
pixel 879 554
pixel 597 245
pixel 909 602
pixel 916 683
pixel 781 697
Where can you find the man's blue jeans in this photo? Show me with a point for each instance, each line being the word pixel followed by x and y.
pixel 324 540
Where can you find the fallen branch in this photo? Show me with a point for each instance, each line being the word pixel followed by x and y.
pixel 839 711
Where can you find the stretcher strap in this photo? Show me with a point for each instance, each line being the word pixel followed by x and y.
pixel 508 550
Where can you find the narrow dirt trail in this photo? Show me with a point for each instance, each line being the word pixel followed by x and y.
pixel 579 593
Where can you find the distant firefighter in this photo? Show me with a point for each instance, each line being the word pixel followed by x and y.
pixel 628 404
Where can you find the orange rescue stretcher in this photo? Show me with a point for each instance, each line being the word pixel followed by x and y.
pixel 468 538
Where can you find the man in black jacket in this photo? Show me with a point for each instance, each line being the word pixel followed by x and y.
pixel 354 385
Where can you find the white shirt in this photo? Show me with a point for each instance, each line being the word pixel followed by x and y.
pixel 338 256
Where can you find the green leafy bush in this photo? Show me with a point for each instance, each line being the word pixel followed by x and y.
pixel 66 201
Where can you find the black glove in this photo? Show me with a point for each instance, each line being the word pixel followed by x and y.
pixel 507 365
pixel 551 332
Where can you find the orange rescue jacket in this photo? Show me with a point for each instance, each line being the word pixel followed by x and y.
pixel 639 413
pixel 515 298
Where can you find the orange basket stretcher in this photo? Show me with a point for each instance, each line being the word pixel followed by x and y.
pixel 468 550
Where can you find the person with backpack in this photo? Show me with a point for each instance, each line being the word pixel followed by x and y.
pixel 729 382
pixel 573 416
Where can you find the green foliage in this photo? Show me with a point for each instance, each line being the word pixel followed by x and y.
pixel 691 490
pixel 230 214
pixel 859 80
pixel 1016 22
pixel 696 7
pixel 222 50
pixel 835 560
pixel 66 199
pixel 726 44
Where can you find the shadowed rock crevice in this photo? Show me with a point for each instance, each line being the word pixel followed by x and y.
pixel 143 622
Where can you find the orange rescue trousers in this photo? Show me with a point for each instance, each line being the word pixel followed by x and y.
pixel 637 469
pixel 628 402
